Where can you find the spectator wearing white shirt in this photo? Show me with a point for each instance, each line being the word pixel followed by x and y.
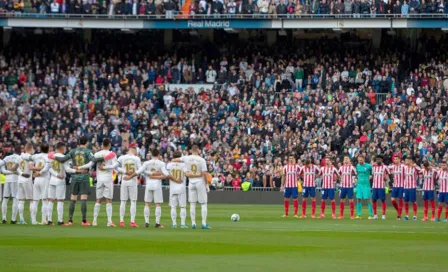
pixel 210 75
pixel 54 7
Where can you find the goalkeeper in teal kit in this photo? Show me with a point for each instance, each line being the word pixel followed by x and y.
pixel 363 189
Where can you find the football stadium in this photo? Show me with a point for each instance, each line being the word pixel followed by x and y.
pixel 225 135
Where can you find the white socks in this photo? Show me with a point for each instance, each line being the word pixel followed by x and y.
pixel 33 210
pixel 146 214
pixel 109 212
pixel 44 209
pixel 158 214
pixel 134 210
pixel 122 210
pixel 15 209
pixel 183 215
pixel 50 211
pixel 204 214
pixel 96 211
pixel 60 211
pixel 21 209
pixel 193 213
pixel 173 215
pixel 4 208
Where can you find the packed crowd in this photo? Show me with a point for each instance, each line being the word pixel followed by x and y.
pixel 313 101
pixel 286 8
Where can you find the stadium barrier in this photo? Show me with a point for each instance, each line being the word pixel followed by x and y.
pixel 230 195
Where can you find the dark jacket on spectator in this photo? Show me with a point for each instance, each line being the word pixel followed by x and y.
pixel 414 6
pixel 397 9
pixel 365 8
pixel 281 8
pixel 356 7
pixel 217 7
pixel 324 9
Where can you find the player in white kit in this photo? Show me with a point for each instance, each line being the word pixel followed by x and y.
pixel 41 183
pixel 10 190
pixel 56 187
pixel 105 182
pixel 128 166
pixel 178 192
pixel 195 170
pixel 154 171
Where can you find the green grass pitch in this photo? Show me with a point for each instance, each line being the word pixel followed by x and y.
pixel 261 241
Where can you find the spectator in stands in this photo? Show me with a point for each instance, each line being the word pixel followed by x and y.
pixel 405 9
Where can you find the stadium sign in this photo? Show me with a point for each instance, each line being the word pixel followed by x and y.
pixel 208 24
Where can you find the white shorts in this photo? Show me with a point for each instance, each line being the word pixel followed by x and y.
pixel 40 189
pixel 25 190
pixel 154 195
pixel 105 190
pixel 10 189
pixel 128 193
pixel 56 192
pixel 178 199
pixel 197 192
pixel 1 191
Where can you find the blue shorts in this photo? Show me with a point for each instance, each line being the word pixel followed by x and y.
pixel 347 192
pixel 443 197
pixel 378 193
pixel 328 194
pixel 428 195
pixel 309 192
pixel 397 192
pixel 410 195
pixel 291 192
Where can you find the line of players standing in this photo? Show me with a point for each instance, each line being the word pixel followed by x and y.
pixel 49 185
pixel 370 182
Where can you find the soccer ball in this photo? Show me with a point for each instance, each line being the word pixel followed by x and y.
pixel 235 217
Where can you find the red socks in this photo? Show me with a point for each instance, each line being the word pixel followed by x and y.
pixel 296 206
pixel 383 206
pixel 352 209
pixel 313 208
pixel 286 206
pixel 323 204
pixel 406 208
pixel 425 209
pixel 400 207
pixel 304 207
pixel 414 206
pixel 446 212
pixel 433 208
pixel 341 205
pixel 333 208
pixel 395 204
pixel 374 208
pixel 439 211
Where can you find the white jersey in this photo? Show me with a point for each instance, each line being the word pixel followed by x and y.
pixel 24 168
pixel 176 170
pixel 150 167
pixel 106 175
pixel 59 168
pixel 11 162
pixel 129 163
pixel 196 165
pixel 40 160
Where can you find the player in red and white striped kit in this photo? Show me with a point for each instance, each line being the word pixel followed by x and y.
pixel 397 172
pixel 443 190
pixel 329 178
pixel 309 172
pixel 429 175
pixel 410 187
pixel 380 173
pixel 348 174
pixel 290 177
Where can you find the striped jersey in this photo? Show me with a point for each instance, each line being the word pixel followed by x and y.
pixel 398 173
pixel 429 177
pixel 291 173
pixel 443 181
pixel 309 174
pixel 410 177
pixel 380 173
pixel 348 174
pixel 329 175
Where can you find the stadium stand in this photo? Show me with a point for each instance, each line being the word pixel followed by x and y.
pixel 314 98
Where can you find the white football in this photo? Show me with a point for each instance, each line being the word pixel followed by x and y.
pixel 235 217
